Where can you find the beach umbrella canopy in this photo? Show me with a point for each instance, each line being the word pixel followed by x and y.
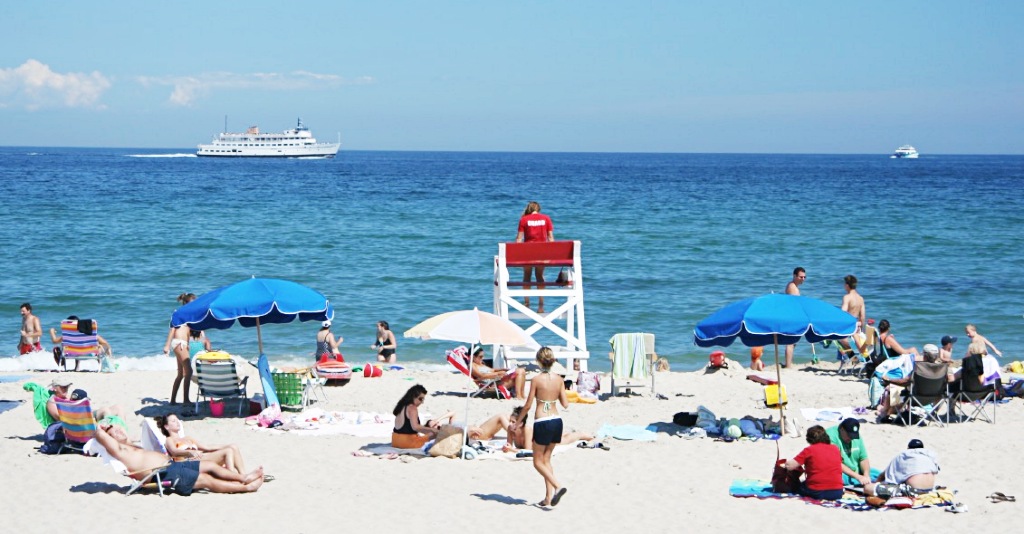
pixel 774 319
pixel 254 302
pixel 474 327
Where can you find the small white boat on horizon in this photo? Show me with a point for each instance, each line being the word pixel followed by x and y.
pixel 905 152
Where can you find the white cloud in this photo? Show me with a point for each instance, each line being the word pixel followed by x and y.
pixel 185 90
pixel 33 85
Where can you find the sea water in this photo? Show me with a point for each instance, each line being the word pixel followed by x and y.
pixel 667 239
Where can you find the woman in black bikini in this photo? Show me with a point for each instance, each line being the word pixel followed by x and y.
pixel 547 389
pixel 408 433
pixel 386 343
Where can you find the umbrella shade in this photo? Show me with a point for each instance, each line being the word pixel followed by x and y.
pixel 472 326
pixel 774 318
pixel 253 302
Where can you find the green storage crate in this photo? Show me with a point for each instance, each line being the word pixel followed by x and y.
pixel 289 388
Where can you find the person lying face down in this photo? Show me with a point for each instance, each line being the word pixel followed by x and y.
pixel 190 475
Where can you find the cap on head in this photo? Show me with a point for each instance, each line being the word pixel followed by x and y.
pixel 326 324
pixel 79 394
pixel 871 321
pixel 852 427
pixel 931 352
pixel 60 382
pixel 915 444
pixel 946 340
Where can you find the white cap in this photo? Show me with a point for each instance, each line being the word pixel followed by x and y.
pixel 326 324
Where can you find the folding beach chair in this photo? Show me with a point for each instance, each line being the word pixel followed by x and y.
pixel 459 358
pixel 219 380
pixel 928 391
pixel 632 358
pixel 79 341
pixel 78 423
pixel 976 396
pixel 153 477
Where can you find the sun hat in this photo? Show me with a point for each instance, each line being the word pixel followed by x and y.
pixel 326 324
pixel 946 340
pixel 60 382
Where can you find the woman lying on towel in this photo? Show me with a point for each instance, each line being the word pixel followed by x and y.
pixel 181 448
pixel 518 437
pixel 408 433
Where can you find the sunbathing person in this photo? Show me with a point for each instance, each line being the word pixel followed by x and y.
pixel 509 378
pixel 408 432
pixel 520 436
pixel 181 449
pixel 190 475
pixel 911 472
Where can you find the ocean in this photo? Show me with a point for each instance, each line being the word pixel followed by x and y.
pixel 667 239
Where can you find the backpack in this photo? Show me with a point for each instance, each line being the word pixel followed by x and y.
pixel 53 439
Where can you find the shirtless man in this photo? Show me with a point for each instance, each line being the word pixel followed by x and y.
pixel 853 304
pixel 191 475
pixel 793 288
pixel 506 377
pixel 30 331
pixel 972 332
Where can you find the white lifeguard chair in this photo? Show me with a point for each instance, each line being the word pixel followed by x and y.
pixel 563 260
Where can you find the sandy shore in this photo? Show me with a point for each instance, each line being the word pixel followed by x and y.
pixel 651 486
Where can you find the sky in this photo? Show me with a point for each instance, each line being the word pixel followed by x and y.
pixel 551 76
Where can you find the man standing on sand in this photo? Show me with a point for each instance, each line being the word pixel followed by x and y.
pixel 793 288
pixel 30 331
pixel 853 304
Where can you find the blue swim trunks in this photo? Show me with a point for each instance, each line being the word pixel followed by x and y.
pixel 547 430
pixel 183 476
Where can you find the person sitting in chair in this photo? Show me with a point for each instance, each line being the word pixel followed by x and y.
pixel 105 350
pixel 182 449
pixel 189 476
pixel 61 388
pixel 508 378
pixel 911 472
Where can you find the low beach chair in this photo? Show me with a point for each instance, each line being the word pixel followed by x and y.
pixel 219 380
pixel 928 392
pixel 632 361
pixel 459 358
pixel 148 477
pixel 77 420
pixel 79 341
pixel 152 438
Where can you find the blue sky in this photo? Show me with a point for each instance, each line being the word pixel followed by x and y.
pixel 654 76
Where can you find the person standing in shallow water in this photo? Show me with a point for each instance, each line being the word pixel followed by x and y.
pixel 534 226
pixel 31 331
pixel 546 389
pixel 793 288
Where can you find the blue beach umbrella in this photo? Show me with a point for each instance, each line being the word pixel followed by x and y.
pixel 254 302
pixel 774 319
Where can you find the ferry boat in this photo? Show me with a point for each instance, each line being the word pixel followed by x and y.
pixel 295 143
pixel 905 151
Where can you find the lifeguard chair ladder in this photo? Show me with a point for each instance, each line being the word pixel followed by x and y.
pixel 555 256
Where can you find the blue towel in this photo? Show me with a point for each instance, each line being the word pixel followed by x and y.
pixel 628 432
pixel 750 487
pixel 268 381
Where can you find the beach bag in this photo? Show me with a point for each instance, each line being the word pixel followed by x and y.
pixel 588 383
pixel 875 391
pixel 685 419
pixel 784 480
pixel 448 443
pixel 53 439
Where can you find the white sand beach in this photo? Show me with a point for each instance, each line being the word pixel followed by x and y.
pixel 669 485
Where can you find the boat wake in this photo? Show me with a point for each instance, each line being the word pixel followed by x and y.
pixel 161 155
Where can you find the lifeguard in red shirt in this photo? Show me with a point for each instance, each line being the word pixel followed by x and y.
pixel 534 226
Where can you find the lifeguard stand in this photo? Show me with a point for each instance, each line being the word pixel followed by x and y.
pixel 563 279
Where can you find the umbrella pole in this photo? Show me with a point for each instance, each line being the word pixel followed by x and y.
pixel 778 375
pixel 259 337
pixel 465 426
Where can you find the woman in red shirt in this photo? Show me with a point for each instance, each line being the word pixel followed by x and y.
pixel 534 226
pixel 822 465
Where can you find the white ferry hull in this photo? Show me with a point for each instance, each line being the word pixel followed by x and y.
pixel 295 143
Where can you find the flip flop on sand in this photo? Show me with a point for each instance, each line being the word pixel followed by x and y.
pixel 268 478
pixel 558 496
pixel 958 508
pixel 1001 497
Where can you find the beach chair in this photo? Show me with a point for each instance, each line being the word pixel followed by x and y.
pixel 152 438
pixel 153 477
pixel 632 358
pixel 977 397
pixel 79 341
pixel 219 380
pixel 459 358
pixel 928 391
pixel 77 420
